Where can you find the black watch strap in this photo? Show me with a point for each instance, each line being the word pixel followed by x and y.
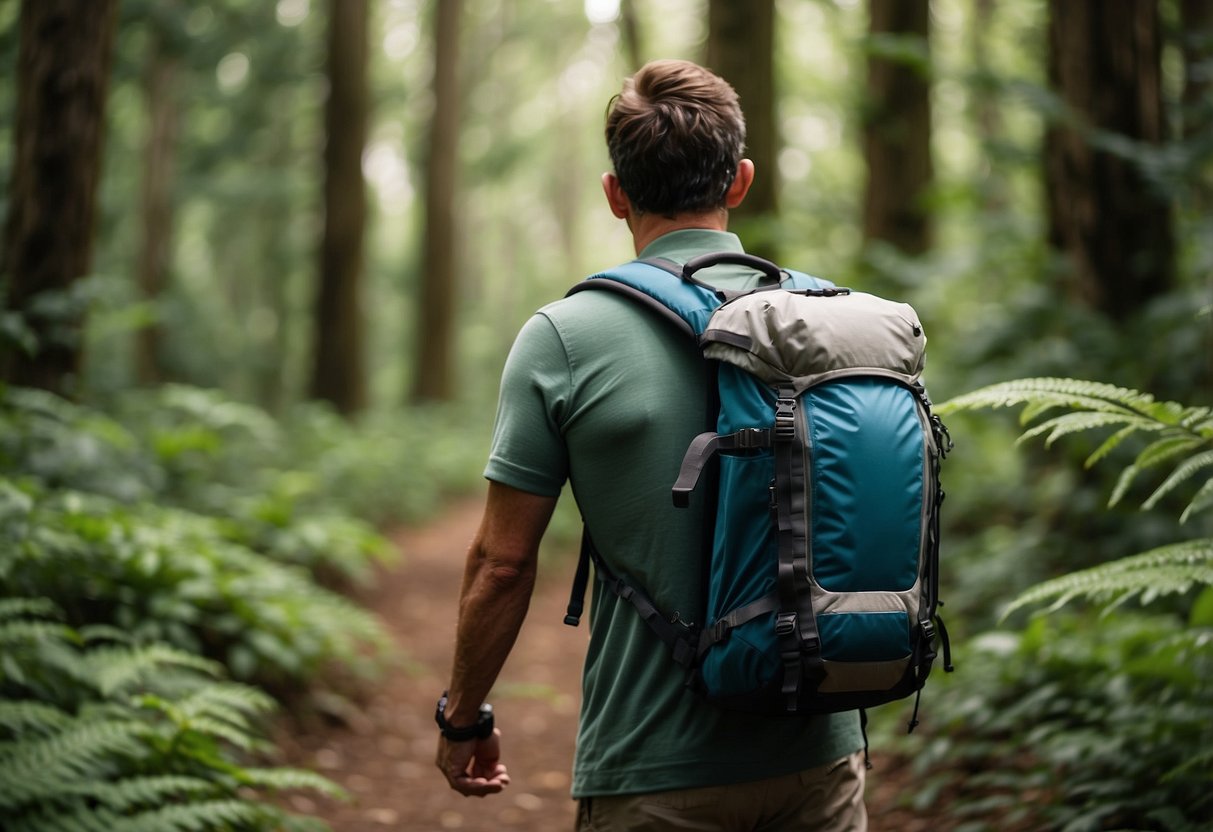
pixel 481 729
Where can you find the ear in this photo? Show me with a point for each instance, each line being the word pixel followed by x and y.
pixel 741 184
pixel 621 206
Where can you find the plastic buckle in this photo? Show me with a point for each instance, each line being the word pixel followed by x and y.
pixel 928 629
pixel 785 624
pixel 785 419
pixel 750 438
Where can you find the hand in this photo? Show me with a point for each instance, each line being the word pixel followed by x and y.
pixel 472 767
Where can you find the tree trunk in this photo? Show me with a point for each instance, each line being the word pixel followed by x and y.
pixel 434 372
pixel 1112 225
pixel 62 78
pixel 897 129
pixel 338 373
pixel 741 49
pixel 629 31
pixel 1196 24
pixel 159 152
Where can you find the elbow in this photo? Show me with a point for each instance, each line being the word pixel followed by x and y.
pixel 507 576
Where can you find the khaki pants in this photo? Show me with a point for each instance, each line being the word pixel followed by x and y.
pixel 827 798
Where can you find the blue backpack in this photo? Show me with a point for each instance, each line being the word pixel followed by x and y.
pixel 824 457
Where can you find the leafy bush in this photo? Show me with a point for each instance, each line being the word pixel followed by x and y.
pixel 1093 720
pixel 1180 437
pixel 169 575
pixel 101 731
pixel 1077 723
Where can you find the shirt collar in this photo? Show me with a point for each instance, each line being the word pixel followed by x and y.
pixel 685 243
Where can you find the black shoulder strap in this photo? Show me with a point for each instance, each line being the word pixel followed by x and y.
pixel 681 637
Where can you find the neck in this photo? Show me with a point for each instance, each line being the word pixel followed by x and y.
pixel 648 227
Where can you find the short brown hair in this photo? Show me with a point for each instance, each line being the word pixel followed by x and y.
pixel 675 134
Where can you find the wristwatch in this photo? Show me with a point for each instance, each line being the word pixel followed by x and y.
pixel 479 730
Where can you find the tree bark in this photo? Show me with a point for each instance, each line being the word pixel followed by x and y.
pixel 1196 23
pixel 63 70
pixel 741 49
pixel 338 373
pixel 159 161
pixel 1109 222
pixel 434 377
pixel 897 131
pixel 629 30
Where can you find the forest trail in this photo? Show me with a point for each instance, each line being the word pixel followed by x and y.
pixel 383 753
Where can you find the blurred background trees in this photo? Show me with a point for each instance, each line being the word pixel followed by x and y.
pixel 330 219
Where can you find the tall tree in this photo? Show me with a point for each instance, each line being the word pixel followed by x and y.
pixel 1112 225
pixel 897 125
pixel 629 29
pixel 62 80
pixel 1196 23
pixel 434 371
pixel 338 371
pixel 160 82
pixel 741 49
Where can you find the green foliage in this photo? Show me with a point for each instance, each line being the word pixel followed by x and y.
pixel 104 734
pixel 1168 570
pixel 1076 725
pixel 1179 437
pixel 167 574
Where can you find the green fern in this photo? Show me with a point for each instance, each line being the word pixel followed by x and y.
pixel 1167 570
pixel 168 758
pixel 26 717
pixel 1180 437
pixel 37 769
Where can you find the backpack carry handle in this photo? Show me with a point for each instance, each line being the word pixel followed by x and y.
pixel 736 258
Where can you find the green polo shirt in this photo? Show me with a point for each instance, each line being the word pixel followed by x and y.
pixel 603 393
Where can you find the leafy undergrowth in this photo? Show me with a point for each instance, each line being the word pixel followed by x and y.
pixel 168 563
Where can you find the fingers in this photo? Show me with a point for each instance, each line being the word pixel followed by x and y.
pixel 472 768
pixel 470 786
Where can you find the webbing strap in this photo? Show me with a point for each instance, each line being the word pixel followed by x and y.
pixel 680 637
pixel 785 583
pixel 700 451
pixel 581 579
pixel 719 631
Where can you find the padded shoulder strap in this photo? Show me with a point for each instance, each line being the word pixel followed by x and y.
pixel 658 285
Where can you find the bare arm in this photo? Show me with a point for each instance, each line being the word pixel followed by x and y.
pixel 497 585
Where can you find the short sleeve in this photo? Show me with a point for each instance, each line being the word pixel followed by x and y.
pixel 528 451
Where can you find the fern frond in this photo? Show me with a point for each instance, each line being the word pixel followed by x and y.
pixel 1166 448
pixel 300 823
pixel 1201 502
pixel 1188 469
pixel 227 700
pixel 36 769
pixel 1068 423
pixel 25 631
pixel 1166 570
pixel 202 816
pixel 24 716
pixel 117 668
pixel 27 607
pixel 69 818
pixel 236 736
pixel 139 792
pixel 93 633
pixel 1110 444
pixel 282 779
pixel 1069 393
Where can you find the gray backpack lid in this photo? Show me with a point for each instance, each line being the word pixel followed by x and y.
pixel 803 339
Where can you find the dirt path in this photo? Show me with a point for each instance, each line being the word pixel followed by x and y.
pixel 383 754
